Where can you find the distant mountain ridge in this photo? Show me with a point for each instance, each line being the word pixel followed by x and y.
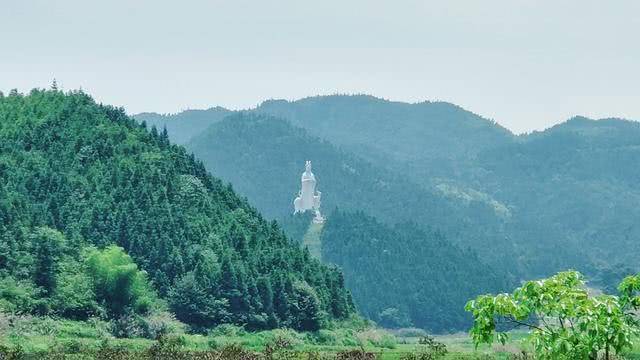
pixel 436 135
pixel 183 125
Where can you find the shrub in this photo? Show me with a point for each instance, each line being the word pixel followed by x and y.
pixel 325 337
pixel 119 284
pixel 355 355
pixel 229 330
pixel 410 333
pixel 17 296
pixel 14 353
pixel 160 324
pixel 126 326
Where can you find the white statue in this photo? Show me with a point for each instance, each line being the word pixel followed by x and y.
pixel 308 198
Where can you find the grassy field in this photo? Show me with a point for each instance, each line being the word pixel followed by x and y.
pixel 44 338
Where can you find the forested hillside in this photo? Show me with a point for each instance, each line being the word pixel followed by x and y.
pixel 101 216
pixel 263 157
pixel 573 186
pixel 406 276
pixel 569 190
pixel 434 138
pixel 529 205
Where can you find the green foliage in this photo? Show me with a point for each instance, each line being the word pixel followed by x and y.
pixel 566 322
pixel 405 275
pixel 263 157
pixel 76 175
pixel 75 295
pixel 17 296
pixel 48 247
pixel 119 284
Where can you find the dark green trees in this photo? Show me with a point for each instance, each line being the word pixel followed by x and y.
pixel 404 276
pixel 74 174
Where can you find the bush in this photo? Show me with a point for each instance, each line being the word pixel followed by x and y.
pixel 229 330
pixel 74 297
pixel 394 318
pixel 119 284
pixel 17 296
pixel 7 353
pixel 160 324
pixel 378 338
pixel 325 337
pixel 355 355
pixel 5 323
pixel 126 326
pixel 410 333
pixel 282 337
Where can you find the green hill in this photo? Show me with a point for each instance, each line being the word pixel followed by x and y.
pixel 431 139
pixel 573 186
pixel 263 157
pixel 404 276
pixel 77 178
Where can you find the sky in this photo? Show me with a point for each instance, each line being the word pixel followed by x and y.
pixel 525 64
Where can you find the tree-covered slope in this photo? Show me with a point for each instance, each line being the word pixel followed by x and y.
pixel 184 125
pixel 433 138
pixel 575 185
pixel 76 175
pixel 405 276
pixel 263 158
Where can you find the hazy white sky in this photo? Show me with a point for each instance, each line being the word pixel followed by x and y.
pixel 525 64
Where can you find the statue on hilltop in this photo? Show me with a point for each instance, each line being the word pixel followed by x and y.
pixel 308 198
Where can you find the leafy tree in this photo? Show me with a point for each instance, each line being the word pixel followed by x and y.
pixel 119 284
pixel 75 295
pixel 193 304
pixel 305 308
pixel 394 318
pixel 48 244
pixel 564 320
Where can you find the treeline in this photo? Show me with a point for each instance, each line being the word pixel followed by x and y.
pixel 76 176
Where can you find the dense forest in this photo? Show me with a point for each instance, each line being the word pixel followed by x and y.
pixel 438 137
pixel 101 216
pixel 528 205
pixel 567 189
pixel 263 157
pixel 406 276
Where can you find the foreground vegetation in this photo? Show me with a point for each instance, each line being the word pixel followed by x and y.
pixel 41 337
pixel 565 320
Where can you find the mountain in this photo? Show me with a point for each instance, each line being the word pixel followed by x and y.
pixel 405 276
pixel 569 189
pixel 263 158
pixel 430 138
pixel 101 216
pixel 183 125
pixel 574 185
pixel 528 205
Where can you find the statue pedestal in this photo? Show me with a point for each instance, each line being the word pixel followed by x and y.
pixel 318 219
